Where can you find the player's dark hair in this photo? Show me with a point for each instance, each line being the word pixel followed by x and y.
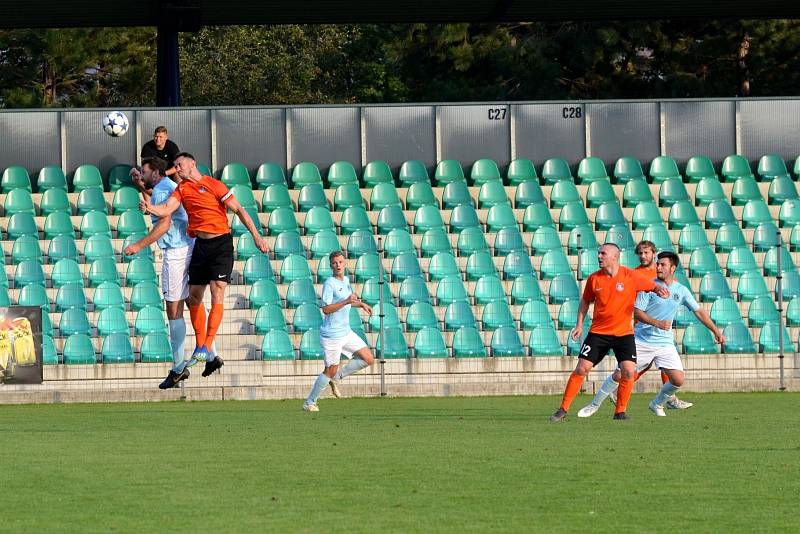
pixel 160 129
pixel 184 155
pixel 671 256
pixel 646 244
pixel 335 254
pixel 157 164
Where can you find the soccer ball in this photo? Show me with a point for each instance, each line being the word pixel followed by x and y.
pixel 115 124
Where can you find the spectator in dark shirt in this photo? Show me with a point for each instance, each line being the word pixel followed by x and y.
pixel 161 147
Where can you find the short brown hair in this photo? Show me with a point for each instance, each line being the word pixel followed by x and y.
pixel 157 164
pixel 646 244
pixel 160 129
pixel 335 254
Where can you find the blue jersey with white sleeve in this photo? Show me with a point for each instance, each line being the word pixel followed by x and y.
pixel 662 310
pixel 176 236
pixel 336 325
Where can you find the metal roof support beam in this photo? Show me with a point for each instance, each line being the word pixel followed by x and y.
pixel 168 87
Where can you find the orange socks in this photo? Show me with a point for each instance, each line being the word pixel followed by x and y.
pixel 198 315
pixel 624 394
pixel 573 388
pixel 214 320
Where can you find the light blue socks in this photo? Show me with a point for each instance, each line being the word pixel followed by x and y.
pixel 319 386
pixel 177 340
pixel 353 366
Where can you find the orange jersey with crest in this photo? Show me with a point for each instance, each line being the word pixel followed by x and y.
pixel 613 298
pixel 649 272
pixel 205 202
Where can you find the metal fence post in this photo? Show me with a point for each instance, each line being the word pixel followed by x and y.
pixel 381 330
pixel 779 288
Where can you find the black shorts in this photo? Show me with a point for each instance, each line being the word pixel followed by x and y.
pixel 596 346
pixel 212 259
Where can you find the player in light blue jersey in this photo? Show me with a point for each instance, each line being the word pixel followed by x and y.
pixel 335 334
pixel 655 342
pixel 170 234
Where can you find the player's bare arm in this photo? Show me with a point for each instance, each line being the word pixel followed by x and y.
pixel 583 308
pixel 704 318
pixel 162 210
pixel 644 317
pixel 331 308
pixel 154 235
pixel 240 212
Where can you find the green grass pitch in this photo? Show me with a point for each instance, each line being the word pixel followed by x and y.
pixel 731 463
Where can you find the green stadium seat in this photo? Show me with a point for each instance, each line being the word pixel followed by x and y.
pixel 86 177
pixel 390 218
pixel 26 248
pixel 489 288
pixel 276 196
pixel 600 192
pixel 103 270
pixel 636 191
pixel 534 313
pixel 554 262
pixel 744 190
pixel 51 177
pixel 355 218
pixel 442 265
pixel 49 354
pixel 480 264
pixel 269 317
pixel 662 168
pixel 659 236
pixel 709 190
pixel 244 195
pixel 584 234
pixel 525 288
pixel 405 266
pixel 78 350
pixel 133 222
pixel 535 217
pixel 47 325
pixel 347 195
pixel 740 260
pixel 782 189
pixel 591 169
pixel 140 270
pixel 520 171
pixel 765 237
pixel 318 219
pixel 755 212
pixel 277 345
pixel 91 199
pixel 516 264
pixel 70 296
pixel 434 241
pixel 74 321
pixel 119 176
pixel 791 285
pixel 18 201
pixel 429 343
pixel 146 252
pixel 734 166
pixel 145 294
pixel 725 311
pixel 269 173
pixel 293 267
pixel 398 241
pixel 751 286
pixel 629 258
pixel 646 214
pixel 371 290
pixel 412 290
pixel 392 344
pixel 564 192
pixel 127 198
pixel 544 240
pixel 789 214
pixel 59 223
pixel 5 298
pixel 421 315
pixel 719 213
pixel 509 240
pixel 361 242
pixel 391 318
pixel 108 295
pixel 34 295
pixel 449 290
pixel 544 341
pixel 769 339
pixel 472 240
pixel 300 291
pixel 461 217
pixel 456 194
pixel 628 169
pixel 55 200
pixel 562 288
pixel 713 286
pixel 21 224
pixel 286 244
pixel 264 292
pixel 155 348
pixel 384 194
pixel 369 265
pixel 234 174
pixel 420 194
pixel 505 342
pixel 671 191
pixel 150 319
pixel 29 272
pixel 341 172
pixel 699 168
pixel 411 172
pixel 112 321
pixel 555 170
pixel 310 346
pixel 305 173
pixel 496 314
pixel 204 170
pixel 568 314
pixel 62 246
pixel 312 195
pixel 15 177
pixel 702 261
pixel 282 220
pixel 426 218
pixel 771 262
pixel 682 214
pixel 492 193
pixel 92 223
pixel 762 310
pixel 620 235
pixel 793 312
pixel 697 339
pixel 484 171
pixel 377 172
pixel 528 194
pixel 738 339
pixel 66 272
pixel 588 262
pixel 447 171
pixel 794 238
pixel 729 236
pixel 468 343
pixel 98 246
pixel 572 215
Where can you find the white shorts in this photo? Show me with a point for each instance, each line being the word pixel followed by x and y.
pixel 664 357
pixel 175 273
pixel 334 348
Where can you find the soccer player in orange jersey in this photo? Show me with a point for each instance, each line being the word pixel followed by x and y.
pixel 206 201
pixel 613 290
